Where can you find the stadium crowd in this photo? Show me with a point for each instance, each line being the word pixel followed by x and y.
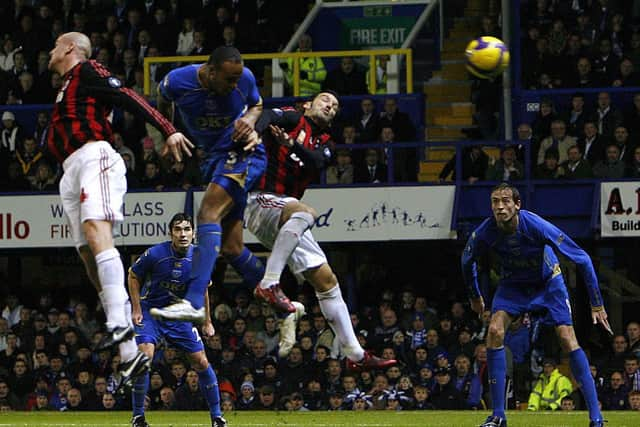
pixel 47 362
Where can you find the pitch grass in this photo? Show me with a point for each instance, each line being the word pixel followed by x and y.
pixel 314 419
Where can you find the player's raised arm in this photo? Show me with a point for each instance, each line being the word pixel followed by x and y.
pixel 244 127
pixel 559 241
pixel 469 261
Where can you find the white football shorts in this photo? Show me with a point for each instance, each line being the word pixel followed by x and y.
pixel 93 187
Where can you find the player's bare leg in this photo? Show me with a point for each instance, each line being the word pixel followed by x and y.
pixel 497 362
pixel 580 369
pixel 238 255
pixel 295 219
pixel 216 203
pixel 106 272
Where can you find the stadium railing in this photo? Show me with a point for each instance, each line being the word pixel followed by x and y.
pixel 276 57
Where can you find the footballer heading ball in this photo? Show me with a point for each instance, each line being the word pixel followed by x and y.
pixel 487 57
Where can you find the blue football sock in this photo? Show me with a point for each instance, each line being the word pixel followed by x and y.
pixel 204 259
pixel 249 267
pixel 138 394
pixel 209 386
pixel 497 362
pixel 581 372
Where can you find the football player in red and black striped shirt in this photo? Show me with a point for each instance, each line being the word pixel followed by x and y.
pixel 297 150
pixel 93 185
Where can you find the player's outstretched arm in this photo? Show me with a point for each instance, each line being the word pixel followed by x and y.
pixel 134 293
pixel 470 273
pixel 559 241
pixel 207 327
pixel 176 144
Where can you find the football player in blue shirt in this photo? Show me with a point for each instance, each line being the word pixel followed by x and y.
pixel 158 277
pixel 219 104
pixel 523 246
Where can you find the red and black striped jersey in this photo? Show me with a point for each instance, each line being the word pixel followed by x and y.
pixel 290 170
pixel 83 105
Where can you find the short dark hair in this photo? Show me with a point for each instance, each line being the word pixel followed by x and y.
pixel 506 186
pixel 179 217
pixel 223 54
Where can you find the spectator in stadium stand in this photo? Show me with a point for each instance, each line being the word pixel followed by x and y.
pixel 632 372
pixel 606 116
pixel 74 400
pixel 266 399
pixel 507 168
pixel 188 396
pixel 467 382
pixel 130 63
pixel 44 179
pixel 372 171
pixel 200 43
pixel 108 402
pixel 342 171
pixel 29 155
pixel 367 121
pixel 391 116
pixel 12 135
pixel 584 76
pixel 7 395
pixel 405 160
pixel 475 163
pixel 611 167
pixel 542 123
pixel 185 37
pixel 626 75
pixel 576 116
pixel 567 62
pixel 163 30
pixel 621 138
pixel 614 397
pixel 247 399
pixel 346 79
pixel 605 63
pixel 576 167
pixel 312 69
pixel 167 399
pixel 634 400
pixel 633 332
pixel 445 395
pixel 593 144
pixel 558 140
pixel 549 389
pixel 548 169
pixel 633 170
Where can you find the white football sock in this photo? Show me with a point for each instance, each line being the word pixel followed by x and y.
pixel 113 295
pixel 335 311
pixel 288 238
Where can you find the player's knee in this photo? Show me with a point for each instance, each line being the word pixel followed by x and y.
pixel 231 250
pixel 199 362
pixel 496 331
pixel 294 207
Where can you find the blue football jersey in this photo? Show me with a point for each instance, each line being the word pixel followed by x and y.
pixel 526 257
pixel 209 118
pixel 163 274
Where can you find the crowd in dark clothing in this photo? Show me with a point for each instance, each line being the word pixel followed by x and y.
pixel 580 44
pixel 123 32
pixel 47 362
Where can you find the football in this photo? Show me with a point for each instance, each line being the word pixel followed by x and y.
pixel 487 57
